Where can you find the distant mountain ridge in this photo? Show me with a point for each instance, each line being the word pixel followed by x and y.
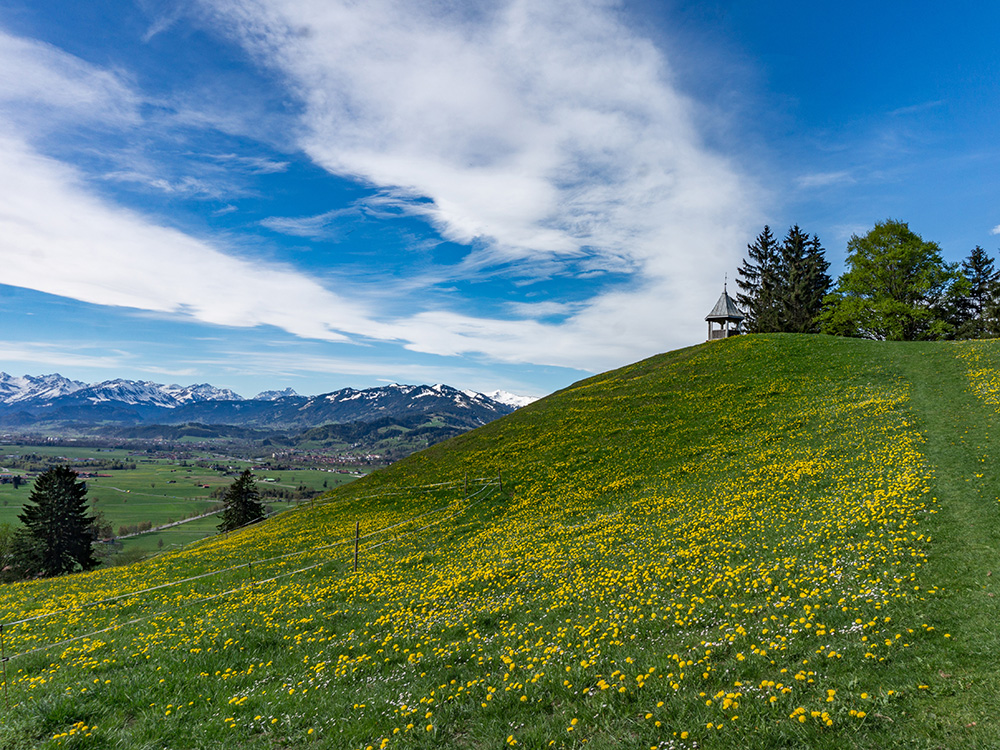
pixel 29 400
pixel 29 389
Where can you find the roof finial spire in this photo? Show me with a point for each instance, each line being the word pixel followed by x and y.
pixel 725 281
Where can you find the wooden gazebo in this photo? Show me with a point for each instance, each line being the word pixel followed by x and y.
pixel 728 317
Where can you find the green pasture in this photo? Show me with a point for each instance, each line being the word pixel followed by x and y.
pixel 159 491
pixel 776 542
pixel 80 451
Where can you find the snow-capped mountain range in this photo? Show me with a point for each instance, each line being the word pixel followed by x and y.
pixel 32 389
pixel 28 399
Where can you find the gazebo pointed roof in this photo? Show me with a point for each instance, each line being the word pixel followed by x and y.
pixel 725 309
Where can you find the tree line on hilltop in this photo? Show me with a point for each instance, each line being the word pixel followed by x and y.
pixel 895 286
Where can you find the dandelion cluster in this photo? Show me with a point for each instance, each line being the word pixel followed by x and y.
pixel 983 370
pixel 690 547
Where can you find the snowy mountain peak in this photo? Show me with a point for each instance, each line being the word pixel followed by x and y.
pixel 511 399
pixel 201 392
pixel 30 388
pixel 127 392
pixel 275 395
pixel 49 390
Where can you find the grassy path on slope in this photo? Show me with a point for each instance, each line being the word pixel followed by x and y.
pixel 961 705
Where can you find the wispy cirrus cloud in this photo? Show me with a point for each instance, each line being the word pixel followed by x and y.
pixel 540 133
pixel 547 138
pixel 250 164
pixel 825 179
pixel 69 354
pixel 58 238
pixel 314 227
pixel 43 84
pixel 186 185
pixel 913 109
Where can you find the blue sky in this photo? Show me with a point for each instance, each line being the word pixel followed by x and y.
pixel 507 195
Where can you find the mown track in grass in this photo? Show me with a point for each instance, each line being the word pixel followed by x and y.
pixel 958 707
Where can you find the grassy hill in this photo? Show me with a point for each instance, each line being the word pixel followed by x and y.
pixel 768 541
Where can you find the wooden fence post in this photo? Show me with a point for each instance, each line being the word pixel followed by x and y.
pixel 357 539
pixel 3 660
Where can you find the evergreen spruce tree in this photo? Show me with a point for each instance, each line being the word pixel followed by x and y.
pixel 980 308
pixel 783 285
pixel 805 282
pixel 758 278
pixel 57 534
pixel 242 503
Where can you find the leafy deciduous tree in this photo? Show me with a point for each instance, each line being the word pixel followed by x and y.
pixel 896 287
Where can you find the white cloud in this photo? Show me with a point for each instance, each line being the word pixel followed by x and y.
pixel 546 133
pixel 825 179
pixel 995 230
pixel 58 238
pixel 542 131
pixel 42 82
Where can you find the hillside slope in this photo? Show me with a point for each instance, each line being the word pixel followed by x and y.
pixel 769 541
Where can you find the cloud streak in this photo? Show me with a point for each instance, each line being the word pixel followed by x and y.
pixel 547 137
pixel 42 83
pixel 57 238
pixel 540 132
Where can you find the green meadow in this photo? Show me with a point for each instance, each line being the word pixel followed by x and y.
pixel 158 491
pixel 768 541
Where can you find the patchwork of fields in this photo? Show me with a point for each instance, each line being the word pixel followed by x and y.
pixel 752 543
pixel 157 491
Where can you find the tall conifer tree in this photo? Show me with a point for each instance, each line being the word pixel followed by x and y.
pixel 57 533
pixel 758 278
pixel 783 285
pixel 980 307
pixel 242 503
pixel 806 281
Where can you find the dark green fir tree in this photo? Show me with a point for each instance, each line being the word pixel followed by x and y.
pixel 57 533
pixel 805 282
pixel 759 279
pixel 242 503
pixel 980 309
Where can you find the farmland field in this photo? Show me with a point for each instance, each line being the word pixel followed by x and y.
pixel 157 491
pixel 767 542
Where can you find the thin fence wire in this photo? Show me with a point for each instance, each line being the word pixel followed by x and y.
pixel 476 498
pixel 261 561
